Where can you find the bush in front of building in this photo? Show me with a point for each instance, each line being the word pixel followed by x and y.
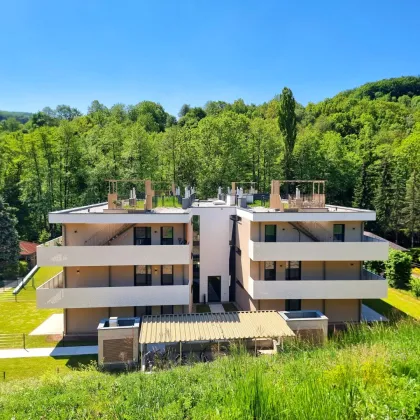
pixel 415 286
pixel 398 269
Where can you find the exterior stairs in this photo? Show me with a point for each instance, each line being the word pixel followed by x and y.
pixel 302 229
pixel 108 234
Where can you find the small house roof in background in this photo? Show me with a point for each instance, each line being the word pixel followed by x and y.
pixel 392 245
pixel 27 248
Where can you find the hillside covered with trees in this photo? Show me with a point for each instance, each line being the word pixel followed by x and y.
pixel 365 142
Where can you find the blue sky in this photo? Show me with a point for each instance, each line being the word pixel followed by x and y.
pixel 175 52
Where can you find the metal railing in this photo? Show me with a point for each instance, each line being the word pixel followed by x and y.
pixel 367 238
pixel 56 282
pixel 368 275
pixel 107 233
pixel 53 242
pixel 25 280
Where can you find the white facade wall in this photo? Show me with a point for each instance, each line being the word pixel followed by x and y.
pixel 98 297
pixel 214 247
pixel 79 256
pixel 318 251
pixel 318 289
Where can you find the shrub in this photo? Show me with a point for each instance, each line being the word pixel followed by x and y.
pixel 398 269
pixel 377 267
pixel 415 254
pixel 415 286
pixel 23 268
pixel 44 236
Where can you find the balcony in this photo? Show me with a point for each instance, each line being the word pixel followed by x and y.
pixel 80 256
pixel 319 251
pixel 52 295
pixel 370 286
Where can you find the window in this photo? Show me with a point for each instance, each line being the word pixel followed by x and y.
pixel 270 233
pixel 142 310
pixel 338 233
pixel 167 275
pixel 167 235
pixel 142 236
pixel 270 270
pixel 143 275
pixel 293 270
pixel 293 304
pixel 167 310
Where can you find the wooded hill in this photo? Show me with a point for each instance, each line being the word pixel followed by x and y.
pixel 365 142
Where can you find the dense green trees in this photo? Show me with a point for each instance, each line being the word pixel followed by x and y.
pixel 9 243
pixel 365 142
pixel 287 124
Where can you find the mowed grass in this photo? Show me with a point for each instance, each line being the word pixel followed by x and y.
pixel 366 373
pixel 23 316
pixel 398 304
pixel 35 367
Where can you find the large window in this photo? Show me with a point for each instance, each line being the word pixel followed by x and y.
pixel 338 232
pixel 167 235
pixel 167 310
pixel 293 304
pixel 270 233
pixel 293 270
pixel 142 236
pixel 143 275
pixel 270 270
pixel 167 276
pixel 142 310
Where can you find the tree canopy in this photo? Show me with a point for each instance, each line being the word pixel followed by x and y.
pixel 364 142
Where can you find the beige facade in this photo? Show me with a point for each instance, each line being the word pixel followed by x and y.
pixel 249 272
pixel 99 257
pixel 85 320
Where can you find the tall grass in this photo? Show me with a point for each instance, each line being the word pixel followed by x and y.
pixel 368 372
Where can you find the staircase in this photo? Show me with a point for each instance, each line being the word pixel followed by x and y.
pixel 308 229
pixel 302 229
pixel 108 234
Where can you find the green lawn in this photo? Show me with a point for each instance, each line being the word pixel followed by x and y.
pixel 202 308
pixel 23 316
pixel 367 372
pixel 37 366
pixel 398 304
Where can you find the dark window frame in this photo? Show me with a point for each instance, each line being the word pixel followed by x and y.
pixel 293 273
pixel 148 311
pixel 271 277
pixel 272 237
pixel 289 304
pixel 166 241
pixel 148 279
pixel 172 275
pixel 146 240
pixel 167 306
pixel 340 236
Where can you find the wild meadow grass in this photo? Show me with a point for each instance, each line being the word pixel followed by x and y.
pixel 365 373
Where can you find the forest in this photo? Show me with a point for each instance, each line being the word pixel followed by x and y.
pixel 364 142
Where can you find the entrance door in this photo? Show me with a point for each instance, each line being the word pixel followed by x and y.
pixel 215 288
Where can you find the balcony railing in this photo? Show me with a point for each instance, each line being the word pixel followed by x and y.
pixel 55 282
pixel 106 297
pixel 73 256
pixel 369 286
pixel 318 251
pixel 53 242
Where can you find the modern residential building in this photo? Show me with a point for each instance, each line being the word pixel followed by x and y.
pixel 293 252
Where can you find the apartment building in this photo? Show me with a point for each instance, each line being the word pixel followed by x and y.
pixel 294 253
